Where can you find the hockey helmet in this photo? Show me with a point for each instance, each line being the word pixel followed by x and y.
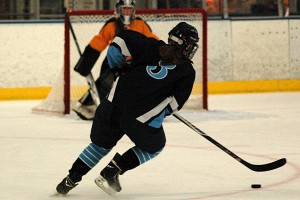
pixel 125 10
pixel 185 37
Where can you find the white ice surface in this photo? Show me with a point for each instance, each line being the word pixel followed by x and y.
pixel 38 150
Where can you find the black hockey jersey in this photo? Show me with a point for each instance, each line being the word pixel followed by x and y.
pixel 148 91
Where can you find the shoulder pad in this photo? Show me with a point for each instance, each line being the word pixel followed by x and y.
pixel 138 18
pixel 113 19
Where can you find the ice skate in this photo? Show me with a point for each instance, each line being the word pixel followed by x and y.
pixel 68 183
pixel 108 180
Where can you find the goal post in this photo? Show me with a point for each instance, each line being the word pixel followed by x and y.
pixel 70 86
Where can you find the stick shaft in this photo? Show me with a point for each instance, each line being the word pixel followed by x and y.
pixel 257 168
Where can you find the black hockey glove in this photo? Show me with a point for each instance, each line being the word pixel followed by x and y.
pixel 118 71
pixel 87 61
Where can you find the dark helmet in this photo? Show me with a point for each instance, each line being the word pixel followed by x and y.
pixel 185 37
pixel 125 9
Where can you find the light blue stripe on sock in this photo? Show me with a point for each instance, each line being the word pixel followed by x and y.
pixel 139 154
pixel 103 152
pixel 92 151
pixel 92 154
pixel 143 156
pixel 87 160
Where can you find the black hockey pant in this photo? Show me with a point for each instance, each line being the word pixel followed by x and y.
pixel 107 130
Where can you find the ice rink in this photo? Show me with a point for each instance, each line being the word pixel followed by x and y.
pixel 38 150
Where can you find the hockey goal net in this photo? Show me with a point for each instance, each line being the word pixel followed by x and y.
pixel 70 86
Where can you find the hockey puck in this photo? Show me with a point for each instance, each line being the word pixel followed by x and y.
pixel 256 186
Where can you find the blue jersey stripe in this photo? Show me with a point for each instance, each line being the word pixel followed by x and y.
pixel 157 122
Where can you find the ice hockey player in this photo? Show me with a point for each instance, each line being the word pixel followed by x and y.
pixel 125 19
pixel 154 85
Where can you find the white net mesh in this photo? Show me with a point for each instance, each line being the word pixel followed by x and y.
pixel 86 26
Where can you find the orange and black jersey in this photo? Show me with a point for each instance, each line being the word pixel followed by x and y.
pixel 102 40
pixel 113 26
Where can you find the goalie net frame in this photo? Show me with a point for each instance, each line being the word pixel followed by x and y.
pixel 158 12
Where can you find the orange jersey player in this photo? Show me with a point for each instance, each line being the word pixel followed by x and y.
pixel 125 19
pixel 114 26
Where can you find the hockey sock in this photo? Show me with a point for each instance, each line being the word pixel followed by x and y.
pixel 134 157
pixel 80 168
pixel 88 158
pixel 92 154
pixel 144 156
pixel 128 161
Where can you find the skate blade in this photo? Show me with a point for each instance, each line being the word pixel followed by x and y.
pixel 102 183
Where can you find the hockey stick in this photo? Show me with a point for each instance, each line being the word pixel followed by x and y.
pixel 258 168
pixel 90 79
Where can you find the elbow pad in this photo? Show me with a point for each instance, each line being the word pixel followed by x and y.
pixel 87 61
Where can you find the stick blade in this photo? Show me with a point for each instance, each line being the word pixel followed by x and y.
pixel 267 167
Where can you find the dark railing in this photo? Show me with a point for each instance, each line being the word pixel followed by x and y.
pixel 28 10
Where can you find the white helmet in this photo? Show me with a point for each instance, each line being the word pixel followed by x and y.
pixel 125 9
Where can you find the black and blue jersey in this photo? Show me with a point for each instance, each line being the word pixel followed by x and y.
pixel 148 90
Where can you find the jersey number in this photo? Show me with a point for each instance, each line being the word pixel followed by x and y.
pixel 162 72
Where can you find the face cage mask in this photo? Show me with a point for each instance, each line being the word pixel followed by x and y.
pixel 189 50
pixel 125 15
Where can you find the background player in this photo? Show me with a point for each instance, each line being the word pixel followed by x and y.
pixel 125 19
pixel 157 83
